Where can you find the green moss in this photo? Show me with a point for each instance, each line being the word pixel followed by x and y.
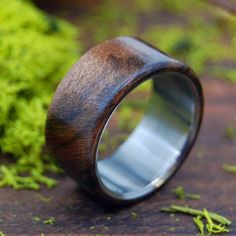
pixel 230 132
pixel 190 211
pixel 36 50
pixel 200 224
pixel 229 168
pixel 213 227
pixel 214 223
pixel 49 221
pixel 181 194
pixel 134 215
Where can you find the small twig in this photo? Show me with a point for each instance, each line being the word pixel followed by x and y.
pixel 187 210
pixel 199 223
pixel 49 221
pixel 230 168
pixel 181 194
pixel 2 234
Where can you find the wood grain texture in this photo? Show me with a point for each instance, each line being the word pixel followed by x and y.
pixel 75 211
pixel 88 95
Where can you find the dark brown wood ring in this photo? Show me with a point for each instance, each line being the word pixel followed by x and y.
pixel 91 91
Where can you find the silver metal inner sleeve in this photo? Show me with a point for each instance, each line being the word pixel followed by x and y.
pixel 158 144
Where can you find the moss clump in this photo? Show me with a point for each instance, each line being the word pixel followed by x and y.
pixel 35 52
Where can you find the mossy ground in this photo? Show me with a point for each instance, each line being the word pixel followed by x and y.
pixel 36 50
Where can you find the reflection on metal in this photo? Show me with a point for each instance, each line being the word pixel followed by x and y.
pixel 158 144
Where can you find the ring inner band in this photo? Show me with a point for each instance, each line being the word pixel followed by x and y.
pixel 158 144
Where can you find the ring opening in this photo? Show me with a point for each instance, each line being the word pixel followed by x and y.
pixel 158 144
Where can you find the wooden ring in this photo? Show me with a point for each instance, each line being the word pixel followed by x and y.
pixel 85 100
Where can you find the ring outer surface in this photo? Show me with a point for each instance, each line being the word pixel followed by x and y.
pixel 90 92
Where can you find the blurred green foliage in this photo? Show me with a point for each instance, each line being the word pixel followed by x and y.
pixel 202 35
pixel 36 50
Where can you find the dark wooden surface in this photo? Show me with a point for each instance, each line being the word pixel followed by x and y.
pixel 75 212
